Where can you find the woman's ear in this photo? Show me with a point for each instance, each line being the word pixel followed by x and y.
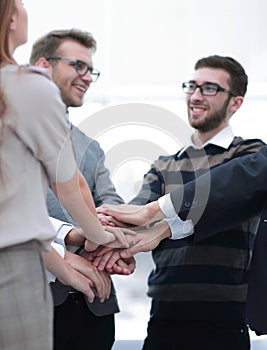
pixel 13 23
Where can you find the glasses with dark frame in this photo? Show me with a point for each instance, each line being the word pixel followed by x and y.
pixel 80 66
pixel 207 89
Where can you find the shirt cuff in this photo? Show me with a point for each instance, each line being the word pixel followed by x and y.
pixel 179 228
pixel 62 233
pixel 62 229
pixel 166 206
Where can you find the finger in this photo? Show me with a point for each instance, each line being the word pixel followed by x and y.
pixel 104 221
pixel 106 286
pixel 119 235
pixel 123 267
pixel 101 289
pixel 102 251
pixel 128 231
pixel 116 269
pixel 90 256
pixel 97 261
pixel 83 285
pixel 91 284
pixel 102 284
pixel 104 208
pixel 113 259
pixel 122 264
pixel 128 253
pixel 90 294
pixel 104 260
pixel 128 265
pixel 112 224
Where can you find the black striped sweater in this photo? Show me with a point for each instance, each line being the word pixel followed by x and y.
pixel 204 280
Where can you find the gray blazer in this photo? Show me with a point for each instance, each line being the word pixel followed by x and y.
pixel 90 158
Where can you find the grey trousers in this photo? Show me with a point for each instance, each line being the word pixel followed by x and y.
pixel 26 310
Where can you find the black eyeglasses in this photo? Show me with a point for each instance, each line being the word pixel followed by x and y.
pixel 81 67
pixel 207 89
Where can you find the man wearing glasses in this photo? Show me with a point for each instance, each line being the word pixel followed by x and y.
pixel 67 54
pixel 199 289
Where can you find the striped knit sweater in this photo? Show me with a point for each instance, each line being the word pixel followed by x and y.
pixel 206 280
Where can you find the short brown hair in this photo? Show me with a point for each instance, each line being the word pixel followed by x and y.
pixel 47 45
pixel 238 77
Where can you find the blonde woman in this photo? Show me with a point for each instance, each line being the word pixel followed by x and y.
pixel 35 149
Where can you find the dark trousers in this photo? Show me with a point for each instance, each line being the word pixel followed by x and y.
pixel 196 335
pixel 76 327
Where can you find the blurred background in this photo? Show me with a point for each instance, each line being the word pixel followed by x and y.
pixel 146 49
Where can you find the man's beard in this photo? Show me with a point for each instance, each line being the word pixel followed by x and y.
pixel 213 120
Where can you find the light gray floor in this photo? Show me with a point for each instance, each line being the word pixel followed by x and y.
pixel 128 345
pixel 256 344
pixel 260 343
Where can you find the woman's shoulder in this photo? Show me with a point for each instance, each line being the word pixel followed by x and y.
pixel 29 85
pixel 26 74
pixel 34 79
pixel 24 69
pixel 32 72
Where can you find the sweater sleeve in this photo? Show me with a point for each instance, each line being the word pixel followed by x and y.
pixel 226 196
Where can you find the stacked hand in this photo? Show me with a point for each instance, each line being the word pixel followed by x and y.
pixel 99 281
pixel 136 215
pixel 124 266
pixel 145 239
pixel 118 256
pixel 123 238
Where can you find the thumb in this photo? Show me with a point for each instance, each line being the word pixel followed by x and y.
pixel 128 253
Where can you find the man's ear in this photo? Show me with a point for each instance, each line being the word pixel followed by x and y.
pixel 235 104
pixel 42 62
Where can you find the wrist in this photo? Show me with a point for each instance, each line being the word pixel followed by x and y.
pixel 164 229
pixel 154 212
pixel 75 237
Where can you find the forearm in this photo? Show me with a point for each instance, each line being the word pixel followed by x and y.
pixel 76 198
pixel 56 265
pixel 66 274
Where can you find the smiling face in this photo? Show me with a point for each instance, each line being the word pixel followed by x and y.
pixel 72 86
pixel 206 113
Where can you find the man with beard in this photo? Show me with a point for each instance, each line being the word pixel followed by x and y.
pixel 199 289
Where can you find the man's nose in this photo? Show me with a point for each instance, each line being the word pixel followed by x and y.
pixel 197 94
pixel 87 77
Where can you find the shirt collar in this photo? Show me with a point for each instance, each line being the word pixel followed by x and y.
pixel 222 139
